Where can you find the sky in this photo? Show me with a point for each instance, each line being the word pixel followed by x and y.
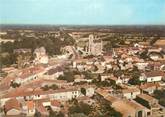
pixel 83 12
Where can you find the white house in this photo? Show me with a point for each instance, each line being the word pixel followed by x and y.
pixel 90 91
pixel 105 76
pixel 153 76
pixel 130 93
pixel 141 65
pixel 59 94
pixel 149 87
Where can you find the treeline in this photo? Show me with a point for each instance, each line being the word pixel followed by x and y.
pixel 52 46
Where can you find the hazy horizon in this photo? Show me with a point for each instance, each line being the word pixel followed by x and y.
pixel 82 12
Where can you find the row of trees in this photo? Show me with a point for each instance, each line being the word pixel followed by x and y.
pixel 68 76
pixel 7 59
pixel 160 95
pixel 46 87
pixel 106 83
pixel 108 111
pixel 80 109
pixel 51 113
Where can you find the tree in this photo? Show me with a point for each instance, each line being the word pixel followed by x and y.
pixel 144 54
pixel 45 88
pixel 80 108
pixel 111 44
pixel 83 91
pixel 85 108
pixel 135 73
pixel 7 59
pixel 74 109
pixel 118 73
pixel 22 59
pixel 52 113
pixel 134 81
pixel 60 114
pixel 122 41
pixel 51 44
pixel 54 87
pixel 7 47
pixel 68 76
pixel 162 101
pixel 14 84
pixel 87 74
pixel 108 47
pixel 99 78
pixel 160 95
pixel 95 68
pixel 108 111
pixel 61 77
pixel 37 114
pixel 100 83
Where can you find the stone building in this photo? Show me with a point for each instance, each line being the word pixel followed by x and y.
pixel 41 56
pixel 94 45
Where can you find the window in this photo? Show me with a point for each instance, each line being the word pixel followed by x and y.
pixel 140 114
pixel 148 113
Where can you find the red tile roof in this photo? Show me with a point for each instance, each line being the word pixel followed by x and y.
pixel 12 104
pixel 146 97
pixel 41 109
pixel 154 73
pixel 55 103
pixel 149 85
pixel 31 71
pixel 129 90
